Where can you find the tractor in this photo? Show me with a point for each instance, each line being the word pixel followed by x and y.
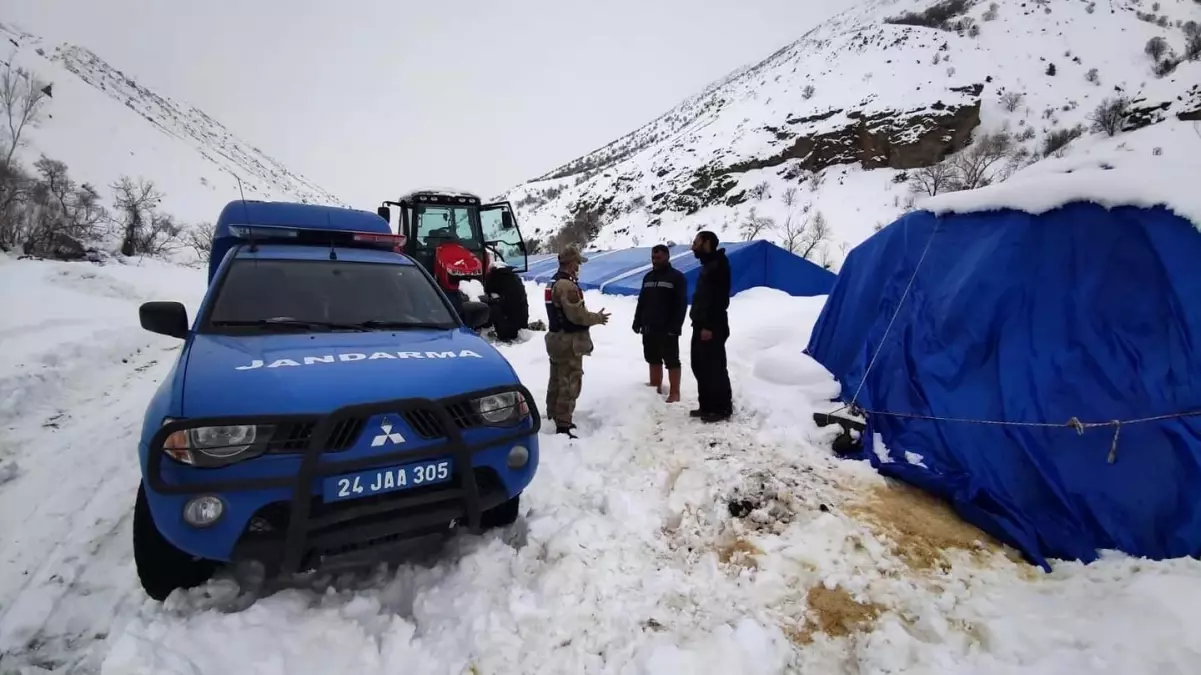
pixel 456 238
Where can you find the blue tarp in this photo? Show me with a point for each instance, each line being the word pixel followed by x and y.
pixel 752 264
pixel 1078 312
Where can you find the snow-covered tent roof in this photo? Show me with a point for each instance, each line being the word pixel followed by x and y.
pixel 752 264
pixel 1110 180
pixel 997 316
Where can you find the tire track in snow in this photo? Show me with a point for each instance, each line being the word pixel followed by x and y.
pixel 72 548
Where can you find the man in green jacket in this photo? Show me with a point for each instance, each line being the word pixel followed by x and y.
pixel 567 339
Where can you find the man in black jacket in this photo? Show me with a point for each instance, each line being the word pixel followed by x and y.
pixel 711 329
pixel 662 303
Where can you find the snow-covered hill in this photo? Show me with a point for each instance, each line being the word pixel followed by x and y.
pixel 838 121
pixel 103 125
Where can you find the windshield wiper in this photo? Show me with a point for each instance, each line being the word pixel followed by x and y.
pixel 292 323
pixel 401 325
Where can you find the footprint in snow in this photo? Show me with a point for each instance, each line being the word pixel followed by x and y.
pixel 9 472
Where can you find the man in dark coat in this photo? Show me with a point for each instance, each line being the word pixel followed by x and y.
pixel 711 329
pixel 662 304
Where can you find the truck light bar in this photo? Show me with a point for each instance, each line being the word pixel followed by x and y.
pixel 396 240
pixel 317 237
pixel 261 231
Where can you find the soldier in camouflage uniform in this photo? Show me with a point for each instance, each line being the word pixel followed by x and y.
pixel 567 339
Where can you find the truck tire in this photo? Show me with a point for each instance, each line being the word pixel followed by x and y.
pixel 502 515
pixel 511 310
pixel 162 568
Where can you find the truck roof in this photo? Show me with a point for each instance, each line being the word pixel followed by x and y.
pixel 304 216
pixel 239 217
pixel 300 252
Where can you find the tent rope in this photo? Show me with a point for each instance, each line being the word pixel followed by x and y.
pixel 1073 423
pixel 900 304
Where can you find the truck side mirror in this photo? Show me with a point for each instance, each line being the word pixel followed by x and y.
pixel 475 314
pixel 385 213
pixel 506 220
pixel 164 318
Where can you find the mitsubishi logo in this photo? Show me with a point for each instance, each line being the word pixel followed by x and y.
pixel 388 436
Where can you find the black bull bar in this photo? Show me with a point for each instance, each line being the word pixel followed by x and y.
pixel 301 523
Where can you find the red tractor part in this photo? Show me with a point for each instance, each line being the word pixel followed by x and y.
pixel 453 263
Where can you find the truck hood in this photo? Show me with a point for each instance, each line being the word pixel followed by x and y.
pixel 313 373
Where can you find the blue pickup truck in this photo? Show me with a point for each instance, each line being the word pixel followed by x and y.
pixel 328 402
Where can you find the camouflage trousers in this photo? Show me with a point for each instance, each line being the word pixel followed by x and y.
pixel 566 378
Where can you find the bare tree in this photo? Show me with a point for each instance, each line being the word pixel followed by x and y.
pixel 989 160
pixel 790 196
pixel 136 203
pixel 21 102
pixel 754 225
pixel 77 207
pixel 813 234
pixel 1156 48
pixel 577 230
pixel 1011 100
pixel 825 258
pixel 760 191
pixel 1192 46
pixel 162 236
pixel 1108 116
pixel 933 179
pixel 200 239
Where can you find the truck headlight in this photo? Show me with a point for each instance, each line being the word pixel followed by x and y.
pixel 215 446
pixel 502 408
pixel 222 442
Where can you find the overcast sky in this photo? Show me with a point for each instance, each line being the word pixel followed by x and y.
pixel 369 98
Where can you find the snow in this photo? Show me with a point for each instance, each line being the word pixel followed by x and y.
pixel 104 125
pixel 439 189
pixel 859 64
pixel 1106 175
pixel 626 558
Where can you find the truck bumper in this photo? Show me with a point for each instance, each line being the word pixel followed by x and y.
pixel 285 522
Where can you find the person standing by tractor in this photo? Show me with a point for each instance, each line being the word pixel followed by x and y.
pixel 659 318
pixel 567 339
pixel 711 329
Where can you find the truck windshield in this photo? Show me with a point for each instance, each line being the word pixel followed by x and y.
pixel 325 295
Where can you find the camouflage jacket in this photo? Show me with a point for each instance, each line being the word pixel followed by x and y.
pixel 566 295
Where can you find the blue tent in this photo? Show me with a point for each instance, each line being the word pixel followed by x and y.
pixel 752 263
pixel 1081 312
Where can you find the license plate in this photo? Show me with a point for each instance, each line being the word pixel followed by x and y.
pixel 387 479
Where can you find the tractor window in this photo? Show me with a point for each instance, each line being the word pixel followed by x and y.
pixel 505 245
pixel 436 225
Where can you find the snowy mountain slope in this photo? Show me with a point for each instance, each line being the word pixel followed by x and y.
pixel 840 115
pixel 650 545
pixel 103 124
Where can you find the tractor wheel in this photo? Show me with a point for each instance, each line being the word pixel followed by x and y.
pixel 511 309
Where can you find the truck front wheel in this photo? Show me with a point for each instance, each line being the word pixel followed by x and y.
pixel 162 568
pixel 501 515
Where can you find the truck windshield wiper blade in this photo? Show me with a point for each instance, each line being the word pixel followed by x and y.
pixel 292 323
pixel 401 325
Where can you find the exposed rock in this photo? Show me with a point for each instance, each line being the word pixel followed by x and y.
pixel 1190 105
pixel 895 140
pixel 1139 116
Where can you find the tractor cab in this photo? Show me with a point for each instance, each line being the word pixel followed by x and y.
pixel 457 238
